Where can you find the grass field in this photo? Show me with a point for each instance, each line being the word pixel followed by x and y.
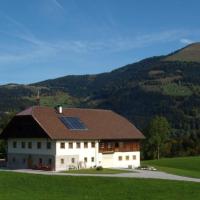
pixel 184 166
pixel 31 187
pixel 94 171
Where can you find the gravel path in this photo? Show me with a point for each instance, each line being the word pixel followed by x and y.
pixel 136 174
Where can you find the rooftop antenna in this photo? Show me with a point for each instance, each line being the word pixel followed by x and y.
pixel 38 98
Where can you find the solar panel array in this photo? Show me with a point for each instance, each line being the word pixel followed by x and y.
pixel 73 123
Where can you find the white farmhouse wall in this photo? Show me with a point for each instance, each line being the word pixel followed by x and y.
pixel 34 149
pixel 77 153
pixel 112 160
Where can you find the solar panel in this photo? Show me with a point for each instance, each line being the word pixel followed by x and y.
pixel 73 123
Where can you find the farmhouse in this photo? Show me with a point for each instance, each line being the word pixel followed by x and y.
pixel 60 139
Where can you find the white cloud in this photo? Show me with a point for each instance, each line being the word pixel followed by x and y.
pixel 186 41
pixel 58 4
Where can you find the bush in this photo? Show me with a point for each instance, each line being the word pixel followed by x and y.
pixel 99 168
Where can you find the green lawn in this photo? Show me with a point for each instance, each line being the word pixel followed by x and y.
pixel 184 166
pixel 40 187
pixel 94 171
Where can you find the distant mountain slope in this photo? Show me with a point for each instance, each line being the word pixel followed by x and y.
pixel 139 91
pixel 190 53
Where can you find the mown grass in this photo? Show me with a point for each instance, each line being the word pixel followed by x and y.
pixel 183 166
pixel 31 187
pixel 94 171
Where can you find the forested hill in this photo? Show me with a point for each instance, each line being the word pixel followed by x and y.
pixel 166 85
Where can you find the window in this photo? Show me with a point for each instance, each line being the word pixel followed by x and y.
pixel 85 159
pixel 109 145
pixel 116 144
pixel 78 145
pixel 92 159
pixel 93 144
pixel 121 144
pixel 39 145
pixel 85 145
pixel 134 157
pixel 48 145
pixel 120 158
pixel 62 145
pixel 14 144
pixel 101 145
pixel 62 161
pixel 40 161
pixel 50 161
pixel 23 144
pixel 24 160
pixel 70 145
pixel 127 157
pixel 73 160
pixel 30 145
pixel 13 159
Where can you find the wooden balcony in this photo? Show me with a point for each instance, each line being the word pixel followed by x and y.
pixel 118 146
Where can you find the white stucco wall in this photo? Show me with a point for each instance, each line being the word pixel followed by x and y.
pixel 104 160
pixel 77 153
pixel 34 149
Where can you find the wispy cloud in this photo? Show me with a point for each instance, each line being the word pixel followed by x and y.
pixel 36 50
pixel 186 41
pixel 58 4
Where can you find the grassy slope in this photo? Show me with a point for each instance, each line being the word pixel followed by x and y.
pixel 186 166
pixel 94 171
pixel 27 187
pixel 188 54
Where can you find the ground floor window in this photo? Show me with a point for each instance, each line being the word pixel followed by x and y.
pixel 120 158
pixel 50 161
pixel 92 159
pixel 40 161
pixel 13 160
pixel 85 159
pixel 134 157
pixel 73 160
pixel 62 161
pixel 127 157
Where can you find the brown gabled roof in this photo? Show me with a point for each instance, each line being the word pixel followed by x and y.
pixel 101 124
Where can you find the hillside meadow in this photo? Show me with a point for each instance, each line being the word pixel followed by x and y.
pixel 183 166
pixel 27 187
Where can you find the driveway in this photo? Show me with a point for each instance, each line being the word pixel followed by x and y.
pixel 136 174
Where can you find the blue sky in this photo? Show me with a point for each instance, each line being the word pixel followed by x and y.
pixel 42 39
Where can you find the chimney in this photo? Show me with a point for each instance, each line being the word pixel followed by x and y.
pixel 59 108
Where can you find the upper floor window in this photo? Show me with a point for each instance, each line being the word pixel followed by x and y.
pixel 92 144
pixel 62 145
pixel 30 145
pixel 109 145
pixel 39 145
pixel 101 145
pixel 70 145
pixel 78 145
pixel 85 145
pixel 48 145
pixel 14 144
pixel 23 144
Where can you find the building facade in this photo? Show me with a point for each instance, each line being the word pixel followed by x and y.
pixel 61 139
